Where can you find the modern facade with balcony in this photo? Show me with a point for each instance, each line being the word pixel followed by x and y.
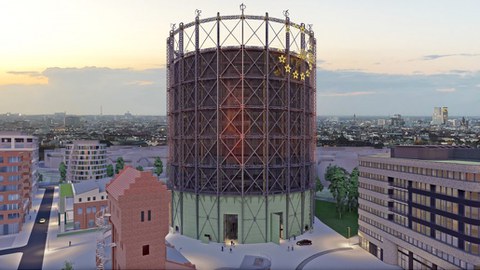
pixel 18 179
pixel 86 160
pixel 419 207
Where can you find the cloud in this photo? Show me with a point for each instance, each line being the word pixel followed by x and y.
pixel 446 90
pixel 26 73
pixel 84 90
pixel 347 94
pixel 437 56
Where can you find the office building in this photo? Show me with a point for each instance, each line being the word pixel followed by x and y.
pixel 18 179
pixel 419 207
pixel 241 109
pixel 440 116
pixel 85 160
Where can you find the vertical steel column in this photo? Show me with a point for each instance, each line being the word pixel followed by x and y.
pixel 266 127
pixel 170 50
pixel 242 108
pixel 180 115
pixel 289 142
pixel 197 55
pixel 304 121
pixel 313 109
pixel 219 179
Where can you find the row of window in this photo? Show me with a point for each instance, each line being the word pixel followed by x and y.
pixel 414 241
pixel 9 188
pixel 85 158
pixel 373 199
pixel 11 159
pixel 401 195
pixel 89 210
pixel 420 185
pixel 472 230
pixel 374 176
pixel 17 140
pixel 421 199
pixel 401 220
pixel 10 197
pixel 446 206
pixel 374 211
pixel 400 208
pixel 400 182
pixel 472 248
pixel 421 214
pixel 472 196
pixel 94 198
pixel 372 187
pixel 420 228
pixel 6 169
pixel 370 233
pixel 446 222
pixel 423 171
pixel 11 178
pixel 10 206
pixel 472 212
pixel 446 238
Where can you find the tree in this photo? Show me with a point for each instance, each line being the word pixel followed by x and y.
pixel 140 168
pixel 158 164
pixel 352 198
pixel 63 171
pixel 67 266
pixel 337 177
pixel 119 165
pixel 110 171
pixel 318 185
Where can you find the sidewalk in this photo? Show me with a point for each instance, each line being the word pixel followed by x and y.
pixel 21 239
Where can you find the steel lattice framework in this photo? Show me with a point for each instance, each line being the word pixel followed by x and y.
pixel 241 106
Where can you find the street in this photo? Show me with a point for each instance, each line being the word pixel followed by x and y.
pixel 33 252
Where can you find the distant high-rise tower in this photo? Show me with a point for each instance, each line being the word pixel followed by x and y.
pixel 241 107
pixel 440 116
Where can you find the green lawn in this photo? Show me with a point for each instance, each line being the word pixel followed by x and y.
pixel 326 212
pixel 66 190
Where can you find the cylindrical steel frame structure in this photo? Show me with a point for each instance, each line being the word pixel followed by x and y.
pixel 241 111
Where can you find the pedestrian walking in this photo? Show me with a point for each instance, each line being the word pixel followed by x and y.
pixel 288 248
pixel 222 248
pixel 69 243
pixel 294 237
pixel 230 249
pixel 292 248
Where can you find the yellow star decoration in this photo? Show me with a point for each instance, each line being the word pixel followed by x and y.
pixel 302 76
pixel 281 58
pixel 310 66
pixel 295 74
pixel 287 29
pixel 302 28
pixel 307 73
pixel 287 68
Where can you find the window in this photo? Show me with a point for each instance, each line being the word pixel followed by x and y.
pixel 102 197
pixel 142 216
pixel 14 159
pixel 13 197
pixel 145 249
pixel 149 215
pixel 13 178
pixel 94 198
pixel 80 211
pixel 79 199
pixel 89 210
pixel 1 178
pixel 94 209
pixel 88 198
pixel 1 198
pixel 1 217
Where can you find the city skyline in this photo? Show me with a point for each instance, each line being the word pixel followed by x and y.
pixel 373 58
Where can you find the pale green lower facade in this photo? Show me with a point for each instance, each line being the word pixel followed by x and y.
pixel 258 219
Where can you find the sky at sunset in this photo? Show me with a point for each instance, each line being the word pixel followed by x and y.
pixel 375 57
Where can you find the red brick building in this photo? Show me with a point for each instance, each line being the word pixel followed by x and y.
pixel 89 197
pixel 139 207
pixel 18 177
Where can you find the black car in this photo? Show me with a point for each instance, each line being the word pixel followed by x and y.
pixel 304 242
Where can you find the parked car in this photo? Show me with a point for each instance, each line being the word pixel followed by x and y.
pixel 42 220
pixel 304 242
